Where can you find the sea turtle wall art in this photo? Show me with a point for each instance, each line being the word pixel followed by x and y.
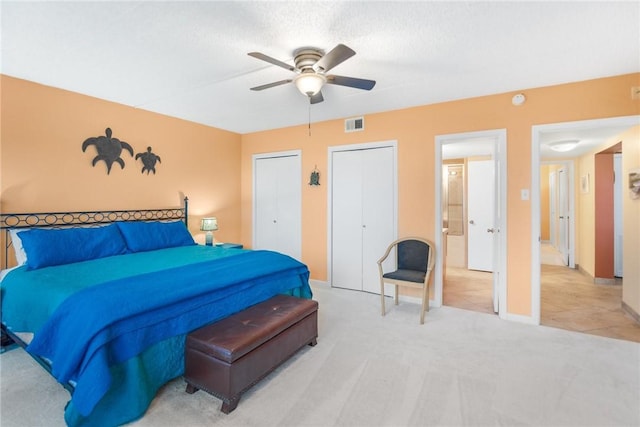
pixel 109 149
pixel 149 160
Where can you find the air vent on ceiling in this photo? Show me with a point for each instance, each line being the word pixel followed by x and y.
pixel 354 125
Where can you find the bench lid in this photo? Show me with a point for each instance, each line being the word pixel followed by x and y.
pixel 236 335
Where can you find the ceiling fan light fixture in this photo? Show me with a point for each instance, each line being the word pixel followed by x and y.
pixel 564 146
pixel 309 84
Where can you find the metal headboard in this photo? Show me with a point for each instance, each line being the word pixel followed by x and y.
pixel 87 218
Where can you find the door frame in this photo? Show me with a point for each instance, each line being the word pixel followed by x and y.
pixel 500 159
pixel 536 141
pixel 618 217
pixel 553 207
pixel 352 147
pixel 289 153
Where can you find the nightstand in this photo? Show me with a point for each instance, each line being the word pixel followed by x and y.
pixel 229 246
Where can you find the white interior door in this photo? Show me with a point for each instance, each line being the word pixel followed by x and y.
pixel 266 203
pixel 346 216
pixel 363 210
pixel 563 215
pixel 377 214
pixel 277 204
pixel 480 207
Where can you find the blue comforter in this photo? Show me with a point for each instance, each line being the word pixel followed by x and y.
pixel 99 328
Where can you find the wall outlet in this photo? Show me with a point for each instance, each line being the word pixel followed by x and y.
pixel 635 92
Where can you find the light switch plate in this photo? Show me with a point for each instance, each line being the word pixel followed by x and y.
pixel 524 194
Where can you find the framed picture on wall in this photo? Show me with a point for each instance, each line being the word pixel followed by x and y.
pixel 634 183
pixel 584 184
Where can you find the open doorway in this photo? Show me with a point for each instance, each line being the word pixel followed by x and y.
pixel 471 260
pixel 566 291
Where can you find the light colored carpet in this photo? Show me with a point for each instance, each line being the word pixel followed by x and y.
pixel 459 368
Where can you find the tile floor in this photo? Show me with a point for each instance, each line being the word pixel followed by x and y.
pixel 569 300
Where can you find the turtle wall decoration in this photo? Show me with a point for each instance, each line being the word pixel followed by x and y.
pixel 109 149
pixel 149 160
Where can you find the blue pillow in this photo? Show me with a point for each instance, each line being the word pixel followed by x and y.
pixel 48 247
pixel 152 235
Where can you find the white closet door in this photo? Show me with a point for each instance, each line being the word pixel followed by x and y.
pixel 266 203
pixel 347 220
pixel 290 207
pixel 377 213
pixel 277 201
pixel 363 215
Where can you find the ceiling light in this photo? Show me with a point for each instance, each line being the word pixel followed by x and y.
pixel 310 84
pixel 564 146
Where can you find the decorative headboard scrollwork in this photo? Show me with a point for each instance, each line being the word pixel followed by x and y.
pixel 87 218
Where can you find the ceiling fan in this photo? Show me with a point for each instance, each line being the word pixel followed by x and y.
pixel 311 68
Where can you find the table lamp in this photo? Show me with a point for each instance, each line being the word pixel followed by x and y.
pixel 209 225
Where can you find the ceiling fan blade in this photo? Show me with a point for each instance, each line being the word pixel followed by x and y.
pixel 336 56
pixel 317 98
pixel 268 85
pixel 351 82
pixel 271 60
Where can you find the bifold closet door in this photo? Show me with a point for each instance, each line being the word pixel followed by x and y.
pixel 278 205
pixel 347 220
pixel 377 213
pixel 362 215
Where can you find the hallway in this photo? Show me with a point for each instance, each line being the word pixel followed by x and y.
pixel 569 300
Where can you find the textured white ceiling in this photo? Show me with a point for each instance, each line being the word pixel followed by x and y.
pixel 189 59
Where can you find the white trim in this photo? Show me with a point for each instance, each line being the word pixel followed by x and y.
pixel 536 132
pixel 319 283
pixel 254 159
pixel 519 318
pixel 352 147
pixel 500 137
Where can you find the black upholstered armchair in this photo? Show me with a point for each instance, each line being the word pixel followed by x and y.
pixel 415 259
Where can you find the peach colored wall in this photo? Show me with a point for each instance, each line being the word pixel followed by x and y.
pixel 415 130
pixel 43 167
pixel 586 224
pixel 544 203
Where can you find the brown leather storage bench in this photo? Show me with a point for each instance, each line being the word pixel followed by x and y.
pixel 227 357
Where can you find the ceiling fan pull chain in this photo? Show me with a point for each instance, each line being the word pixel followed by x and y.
pixel 309 116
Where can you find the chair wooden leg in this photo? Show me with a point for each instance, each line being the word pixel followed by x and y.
pixel 426 296
pixel 396 297
pixel 382 296
pixel 425 303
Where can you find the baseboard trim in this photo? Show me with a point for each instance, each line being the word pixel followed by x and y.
pixel 604 281
pixel 585 272
pixel 630 311
pixel 528 320
pixel 319 283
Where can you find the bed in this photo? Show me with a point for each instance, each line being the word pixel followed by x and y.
pixel 103 300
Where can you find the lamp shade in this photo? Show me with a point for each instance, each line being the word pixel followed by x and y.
pixel 209 224
pixel 310 84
